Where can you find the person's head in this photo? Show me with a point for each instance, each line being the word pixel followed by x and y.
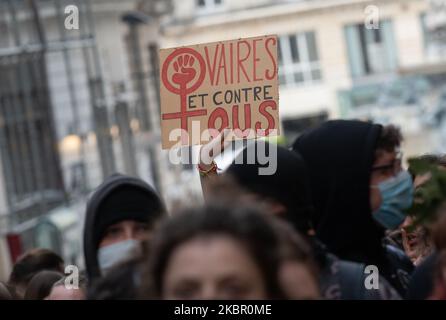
pixel 215 252
pixel 63 291
pixel 287 190
pixel 391 187
pixel 40 285
pixel 357 184
pixel 387 162
pixel 120 214
pixel 298 273
pixel 29 264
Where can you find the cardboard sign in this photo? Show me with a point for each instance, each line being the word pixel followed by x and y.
pixel 208 87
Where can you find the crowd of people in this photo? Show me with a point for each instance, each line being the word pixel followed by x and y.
pixel 340 201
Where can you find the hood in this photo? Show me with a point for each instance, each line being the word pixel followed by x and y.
pixel 339 155
pixel 99 213
pixel 287 185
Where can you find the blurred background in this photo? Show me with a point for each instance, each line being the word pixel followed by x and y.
pixel 77 105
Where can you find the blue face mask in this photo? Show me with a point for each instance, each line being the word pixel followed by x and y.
pixel 113 254
pixel 396 196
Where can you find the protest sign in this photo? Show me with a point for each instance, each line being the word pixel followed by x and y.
pixel 208 87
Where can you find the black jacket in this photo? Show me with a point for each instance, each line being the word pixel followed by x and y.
pixel 339 155
pixel 290 186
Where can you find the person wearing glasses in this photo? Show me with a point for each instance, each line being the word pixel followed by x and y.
pixel 360 190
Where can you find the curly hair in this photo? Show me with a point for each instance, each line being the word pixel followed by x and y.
pixel 389 139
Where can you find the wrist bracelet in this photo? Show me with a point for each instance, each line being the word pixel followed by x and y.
pixel 204 172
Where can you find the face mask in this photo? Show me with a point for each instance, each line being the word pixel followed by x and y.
pixel 113 254
pixel 396 195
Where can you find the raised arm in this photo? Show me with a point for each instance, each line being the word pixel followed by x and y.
pixel 207 167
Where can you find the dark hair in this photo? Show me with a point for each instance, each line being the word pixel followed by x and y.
pixel 389 139
pixel 32 262
pixel 117 199
pixel 293 247
pixel 250 226
pixel 41 284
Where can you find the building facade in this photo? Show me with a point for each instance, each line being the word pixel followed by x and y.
pixel 69 118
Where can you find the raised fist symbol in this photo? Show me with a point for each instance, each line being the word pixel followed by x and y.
pixel 184 72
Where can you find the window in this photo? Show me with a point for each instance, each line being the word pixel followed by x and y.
pixel 209 4
pixel 434 47
pixel 371 51
pixel 298 59
pixel 293 128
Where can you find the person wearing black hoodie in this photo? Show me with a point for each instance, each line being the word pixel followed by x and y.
pixel 288 194
pixel 359 190
pixel 120 214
